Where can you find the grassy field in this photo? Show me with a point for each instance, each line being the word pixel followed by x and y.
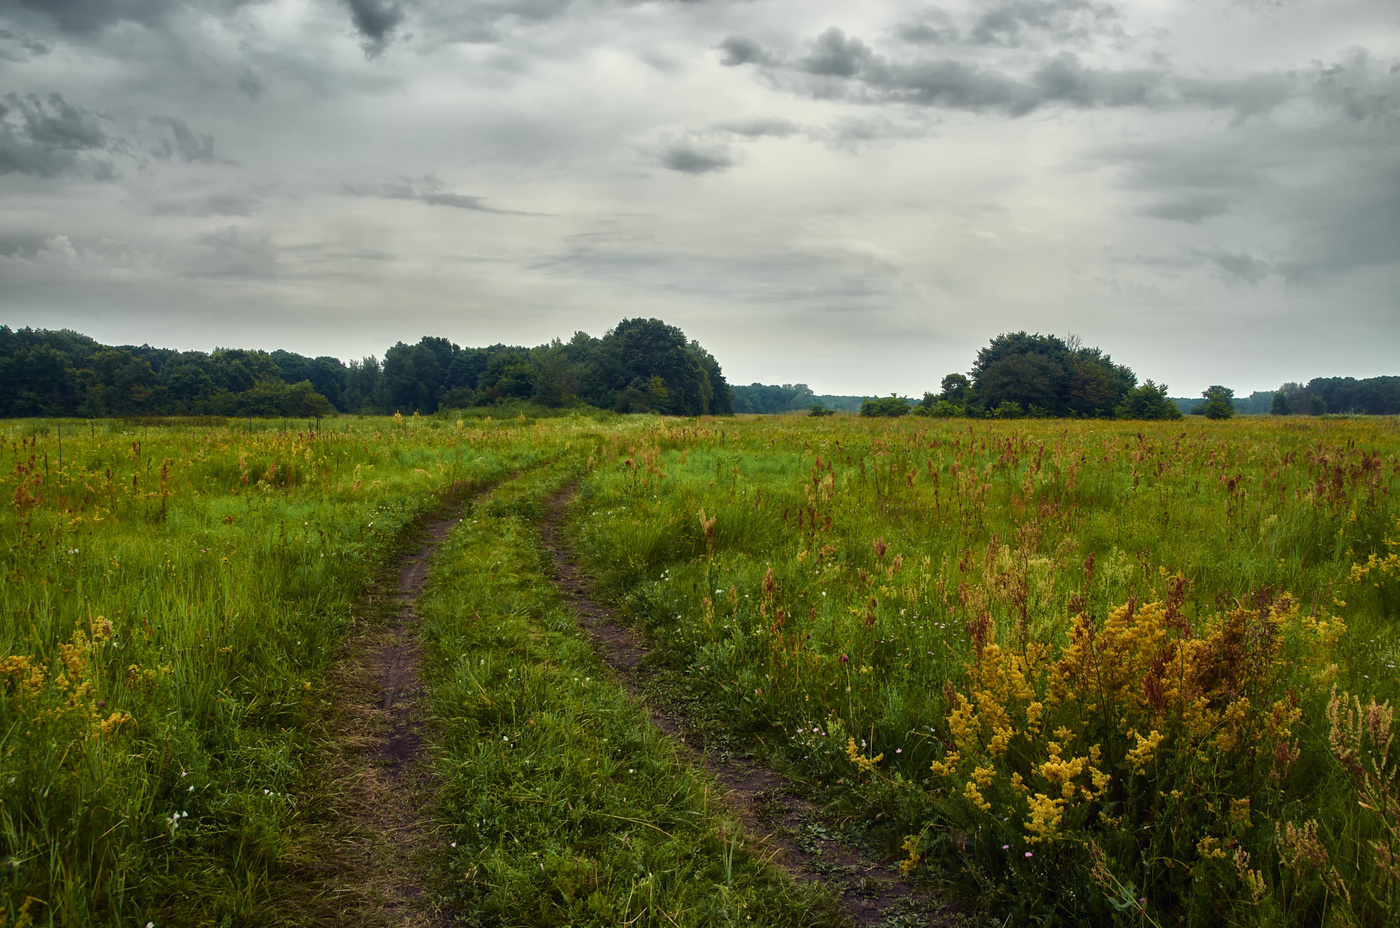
pixel 1084 672
pixel 171 597
pixel 1087 671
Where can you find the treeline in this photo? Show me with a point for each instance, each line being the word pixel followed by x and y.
pixel 1373 396
pixel 772 399
pixel 1037 376
pixel 641 365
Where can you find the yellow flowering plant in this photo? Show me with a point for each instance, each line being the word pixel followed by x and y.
pixel 1147 733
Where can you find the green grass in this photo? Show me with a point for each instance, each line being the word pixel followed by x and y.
pixel 834 597
pixel 565 806
pixel 152 588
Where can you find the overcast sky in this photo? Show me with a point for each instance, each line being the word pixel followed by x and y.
pixel 857 196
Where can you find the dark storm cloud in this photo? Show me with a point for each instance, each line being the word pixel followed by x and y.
pixel 48 136
pixel 428 192
pixel 689 158
pixel 86 17
pixel 839 66
pixel 376 21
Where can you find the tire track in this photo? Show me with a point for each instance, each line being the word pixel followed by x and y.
pixel 871 892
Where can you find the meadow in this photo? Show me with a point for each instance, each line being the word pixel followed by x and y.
pixel 1088 672
pixel 1080 672
pixel 172 595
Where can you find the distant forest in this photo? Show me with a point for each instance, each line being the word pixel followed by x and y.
pixel 1019 375
pixel 790 397
pixel 641 365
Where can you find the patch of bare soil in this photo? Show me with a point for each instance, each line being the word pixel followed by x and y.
pixel 796 832
pixel 372 820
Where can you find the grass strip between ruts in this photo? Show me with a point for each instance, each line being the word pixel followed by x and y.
pixel 562 804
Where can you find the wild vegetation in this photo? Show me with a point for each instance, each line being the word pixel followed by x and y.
pixel 1082 671
pixel 1088 671
pixel 171 597
pixel 562 804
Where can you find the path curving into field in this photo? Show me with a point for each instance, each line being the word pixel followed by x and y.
pixel 374 824
pixel 871 892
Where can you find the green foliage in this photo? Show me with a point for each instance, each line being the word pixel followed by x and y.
pixel 643 365
pixel 1219 402
pixel 819 410
pixel 955 388
pixel 1148 401
pixel 768 400
pixel 1042 373
pixel 891 406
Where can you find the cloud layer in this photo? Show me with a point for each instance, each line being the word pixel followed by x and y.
pixel 852 196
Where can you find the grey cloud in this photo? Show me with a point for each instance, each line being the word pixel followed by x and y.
pixel 376 22
pixel 688 158
pixel 232 251
pixel 1251 95
pixel 18 48
pixel 835 55
pixel 187 145
pixel 760 127
pixel 1336 220
pixel 1361 88
pixel 935 27
pixel 251 85
pixel 1064 79
pixel 48 136
pixel 1190 210
pixel 17 244
pixel 210 204
pixel 845 67
pixel 1016 24
pixel 85 17
pixel 486 20
pixel 428 192
pixel 1008 23
pixel 852 134
pixel 739 50
pixel 1237 266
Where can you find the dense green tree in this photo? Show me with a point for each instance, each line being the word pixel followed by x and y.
pixel 1219 402
pixel 892 405
pixel 414 375
pixel 1045 375
pixel 955 388
pixel 1148 401
pixel 642 364
pixel 124 382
